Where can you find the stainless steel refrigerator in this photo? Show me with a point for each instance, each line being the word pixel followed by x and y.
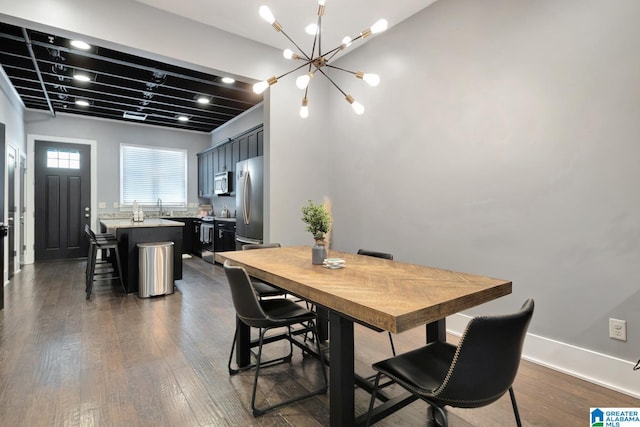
pixel 249 201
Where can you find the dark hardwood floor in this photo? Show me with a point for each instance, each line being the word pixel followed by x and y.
pixel 118 360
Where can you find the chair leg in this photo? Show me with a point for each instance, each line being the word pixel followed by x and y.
pixel 323 389
pixel 439 410
pixel 515 407
pixel 272 362
pixel 373 399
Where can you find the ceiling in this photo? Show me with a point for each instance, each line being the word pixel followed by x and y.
pixel 128 87
pixel 121 86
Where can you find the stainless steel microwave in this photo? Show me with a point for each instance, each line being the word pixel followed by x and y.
pixel 222 183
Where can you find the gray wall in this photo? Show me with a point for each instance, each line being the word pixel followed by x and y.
pixel 109 135
pixel 503 140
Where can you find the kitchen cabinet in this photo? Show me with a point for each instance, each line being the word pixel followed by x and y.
pixel 224 157
pixel 224 235
pixel 205 173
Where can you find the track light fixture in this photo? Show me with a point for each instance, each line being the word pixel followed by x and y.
pixel 318 61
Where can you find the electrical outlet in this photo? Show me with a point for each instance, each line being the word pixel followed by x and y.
pixel 102 205
pixel 618 329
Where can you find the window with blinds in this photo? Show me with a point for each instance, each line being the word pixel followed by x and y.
pixel 151 173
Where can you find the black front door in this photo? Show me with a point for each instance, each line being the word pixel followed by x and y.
pixel 62 202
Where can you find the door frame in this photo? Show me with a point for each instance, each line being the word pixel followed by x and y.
pixel 30 184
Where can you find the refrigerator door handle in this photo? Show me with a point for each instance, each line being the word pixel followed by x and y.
pixel 246 201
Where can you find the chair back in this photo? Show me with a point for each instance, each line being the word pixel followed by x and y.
pixel 245 301
pixel 91 236
pixel 486 360
pixel 260 246
pixel 375 254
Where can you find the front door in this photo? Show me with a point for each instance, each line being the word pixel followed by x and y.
pixel 62 202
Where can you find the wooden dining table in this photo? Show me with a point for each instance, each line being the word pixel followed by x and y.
pixel 391 295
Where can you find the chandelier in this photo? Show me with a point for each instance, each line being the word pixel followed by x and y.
pixel 317 61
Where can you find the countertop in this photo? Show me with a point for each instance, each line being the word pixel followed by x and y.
pixel 112 224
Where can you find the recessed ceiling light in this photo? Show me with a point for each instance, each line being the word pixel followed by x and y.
pixel 82 102
pixel 203 100
pixel 81 77
pixel 80 44
pixel 183 118
pixel 228 80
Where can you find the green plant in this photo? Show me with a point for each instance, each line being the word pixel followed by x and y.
pixel 317 218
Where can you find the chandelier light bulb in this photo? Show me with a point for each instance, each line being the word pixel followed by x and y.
pixel 311 29
pixel 357 107
pixel 303 81
pixel 347 41
pixel 304 109
pixel 263 85
pixel 372 79
pixel 260 87
pixel 288 53
pixel 265 13
pixel 321 2
pixel 379 26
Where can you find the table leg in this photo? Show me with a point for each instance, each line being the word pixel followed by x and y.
pixel 437 331
pixel 323 323
pixel 341 372
pixel 243 344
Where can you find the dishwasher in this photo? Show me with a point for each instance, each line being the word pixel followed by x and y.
pixel 207 238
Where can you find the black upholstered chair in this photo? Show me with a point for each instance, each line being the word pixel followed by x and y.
pixel 266 315
pixel 385 256
pixel 476 372
pixel 263 289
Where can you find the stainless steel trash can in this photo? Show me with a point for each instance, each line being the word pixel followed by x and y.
pixel 155 275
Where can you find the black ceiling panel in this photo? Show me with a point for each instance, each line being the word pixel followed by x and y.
pixel 121 84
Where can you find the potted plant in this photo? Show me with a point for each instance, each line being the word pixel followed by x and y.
pixel 318 220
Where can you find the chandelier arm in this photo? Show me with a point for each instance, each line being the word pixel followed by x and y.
pixel 333 83
pixel 319 37
pixel 341 69
pixel 296 45
pixel 295 69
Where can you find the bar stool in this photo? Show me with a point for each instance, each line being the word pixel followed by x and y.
pixel 104 271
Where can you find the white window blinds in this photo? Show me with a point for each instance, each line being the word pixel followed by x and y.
pixel 150 173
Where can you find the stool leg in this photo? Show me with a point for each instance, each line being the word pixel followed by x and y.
pixel 94 254
pixel 119 267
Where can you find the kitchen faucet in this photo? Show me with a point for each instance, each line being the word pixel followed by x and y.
pixel 159 204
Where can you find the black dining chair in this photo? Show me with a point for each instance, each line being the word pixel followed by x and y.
pixel 389 257
pixel 263 289
pixel 476 372
pixel 265 315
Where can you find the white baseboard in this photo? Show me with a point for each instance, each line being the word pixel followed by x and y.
pixel 597 368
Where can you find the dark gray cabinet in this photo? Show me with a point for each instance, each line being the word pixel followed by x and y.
pixel 205 173
pixel 223 158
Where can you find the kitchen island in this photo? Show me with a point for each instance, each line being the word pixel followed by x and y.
pixel 130 233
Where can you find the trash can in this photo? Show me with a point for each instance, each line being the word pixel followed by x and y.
pixel 155 275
